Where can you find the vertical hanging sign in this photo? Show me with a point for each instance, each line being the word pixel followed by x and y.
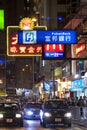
pixel 1 19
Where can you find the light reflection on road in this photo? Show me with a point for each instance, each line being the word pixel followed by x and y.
pixel 35 125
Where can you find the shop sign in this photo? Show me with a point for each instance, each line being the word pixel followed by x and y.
pixel 49 85
pixel 48 37
pixel 80 48
pixel 14 49
pixel 77 85
pixel 52 51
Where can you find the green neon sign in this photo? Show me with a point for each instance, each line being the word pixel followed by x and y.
pixel 2 19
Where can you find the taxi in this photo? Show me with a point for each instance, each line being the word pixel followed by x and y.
pixel 55 112
pixel 10 113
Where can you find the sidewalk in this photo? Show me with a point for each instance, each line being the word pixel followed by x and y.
pixel 81 122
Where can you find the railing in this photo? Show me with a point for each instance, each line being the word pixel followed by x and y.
pixel 79 113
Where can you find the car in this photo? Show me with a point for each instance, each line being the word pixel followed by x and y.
pixel 32 110
pixel 55 112
pixel 11 113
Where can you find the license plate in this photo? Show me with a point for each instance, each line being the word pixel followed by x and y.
pixel 9 120
pixel 57 119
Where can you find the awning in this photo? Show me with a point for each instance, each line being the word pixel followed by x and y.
pixel 77 89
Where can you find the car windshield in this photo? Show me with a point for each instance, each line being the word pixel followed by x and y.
pixel 33 106
pixel 9 106
pixel 56 105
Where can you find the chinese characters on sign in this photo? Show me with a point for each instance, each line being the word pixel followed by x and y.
pixel 47 37
pixel 53 51
pixel 13 48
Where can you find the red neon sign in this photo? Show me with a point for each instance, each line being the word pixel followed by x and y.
pixel 80 48
pixel 54 48
pixel 13 48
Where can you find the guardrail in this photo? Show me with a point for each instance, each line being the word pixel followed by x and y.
pixel 79 115
pixel 79 112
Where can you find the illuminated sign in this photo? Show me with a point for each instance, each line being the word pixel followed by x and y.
pixel 26 24
pixel 52 51
pixel 28 37
pixel 48 37
pixel 15 49
pixel 80 48
pixel 48 85
pixel 1 19
pixel 77 85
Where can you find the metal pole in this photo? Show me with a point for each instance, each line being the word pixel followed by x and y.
pixel 33 69
pixel 54 82
pixel 53 77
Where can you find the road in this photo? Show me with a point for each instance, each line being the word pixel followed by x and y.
pixel 35 125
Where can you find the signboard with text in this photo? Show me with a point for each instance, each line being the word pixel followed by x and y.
pixel 47 37
pixel 15 49
pixel 53 51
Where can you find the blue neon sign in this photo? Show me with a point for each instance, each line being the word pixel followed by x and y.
pixel 47 37
pixel 53 55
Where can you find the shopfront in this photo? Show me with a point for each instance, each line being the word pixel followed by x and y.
pixel 77 87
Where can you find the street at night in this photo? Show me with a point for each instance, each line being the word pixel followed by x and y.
pixel 35 125
pixel 43 64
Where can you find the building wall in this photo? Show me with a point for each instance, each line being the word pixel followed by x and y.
pixel 14 12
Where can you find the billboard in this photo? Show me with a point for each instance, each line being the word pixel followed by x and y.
pixel 49 86
pixel 15 49
pixel 47 37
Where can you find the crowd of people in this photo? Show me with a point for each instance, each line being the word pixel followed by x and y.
pixel 82 101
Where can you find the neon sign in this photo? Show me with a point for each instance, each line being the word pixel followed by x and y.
pixel 15 49
pixel 26 24
pixel 52 51
pixel 54 47
pixel 80 48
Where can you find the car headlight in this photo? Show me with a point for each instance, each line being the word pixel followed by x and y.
pixel 47 114
pixel 68 114
pixel 18 116
pixel 29 112
pixel 1 116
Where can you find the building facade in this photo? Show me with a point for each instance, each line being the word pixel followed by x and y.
pixel 18 72
pixel 67 15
